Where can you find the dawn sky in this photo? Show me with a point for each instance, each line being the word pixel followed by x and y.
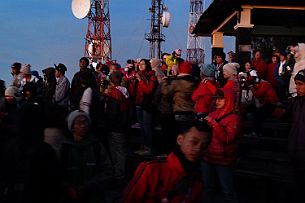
pixel 42 33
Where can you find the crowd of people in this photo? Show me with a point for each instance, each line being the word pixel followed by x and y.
pixel 67 142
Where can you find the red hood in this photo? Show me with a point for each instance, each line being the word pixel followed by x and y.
pixel 229 102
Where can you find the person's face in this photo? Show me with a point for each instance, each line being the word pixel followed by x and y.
pixel 83 64
pixel 226 74
pixel 14 71
pixel 112 69
pixel 57 73
pixel 247 66
pixel 80 128
pixel 258 55
pixel 142 66
pixel 282 58
pixel 218 60
pixel 300 87
pixel 274 59
pixel 193 144
pixel 220 103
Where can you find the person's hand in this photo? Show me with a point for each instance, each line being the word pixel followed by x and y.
pixel 209 119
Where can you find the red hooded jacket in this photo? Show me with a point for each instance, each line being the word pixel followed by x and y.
pixel 225 132
pixel 154 180
pixel 203 96
pixel 265 93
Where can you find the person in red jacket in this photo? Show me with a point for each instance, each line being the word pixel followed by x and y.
pixel 147 84
pixel 259 65
pixel 221 154
pixel 266 102
pixel 177 178
pixel 206 89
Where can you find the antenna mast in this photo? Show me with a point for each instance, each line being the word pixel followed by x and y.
pixel 155 37
pixel 98 37
pixel 195 51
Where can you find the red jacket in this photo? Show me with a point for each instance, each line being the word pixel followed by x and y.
pixel 270 74
pixel 260 67
pixel 224 144
pixel 146 88
pixel 154 180
pixel 265 93
pixel 203 96
pixel 130 80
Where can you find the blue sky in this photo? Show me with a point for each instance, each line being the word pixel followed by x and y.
pixel 44 32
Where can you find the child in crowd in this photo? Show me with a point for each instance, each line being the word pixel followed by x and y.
pixel 221 154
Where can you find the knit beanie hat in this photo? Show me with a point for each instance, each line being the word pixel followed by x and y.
pixel 208 70
pixel 13 91
pixel 73 115
pixel 185 67
pixel 26 69
pixel 300 76
pixel 231 68
pixel 154 62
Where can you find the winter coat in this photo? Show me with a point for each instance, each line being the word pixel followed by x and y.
pixel 162 99
pixel 225 132
pixel 296 146
pixel 203 96
pixel 117 109
pixel 86 167
pixel 49 84
pixel 145 90
pixel 77 89
pixel 129 82
pixel 62 92
pixel 299 65
pixel 260 66
pixel 265 93
pixel 154 180
pixel 233 84
pixel 181 90
pixel 270 75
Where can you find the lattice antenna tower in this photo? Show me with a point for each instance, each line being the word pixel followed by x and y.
pixel 98 37
pixel 159 17
pixel 195 46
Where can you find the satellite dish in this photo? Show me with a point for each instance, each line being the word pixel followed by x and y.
pixel 165 20
pixel 80 8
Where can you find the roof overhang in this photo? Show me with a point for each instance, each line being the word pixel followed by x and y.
pixel 268 17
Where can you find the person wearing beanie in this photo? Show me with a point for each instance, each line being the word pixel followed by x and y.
pixel 230 75
pixel 62 90
pixel 156 66
pixel 27 75
pixel 87 169
pixel 180 93
pixel 17 76
pixel 185 68
pixel 296 146
pixel 202 96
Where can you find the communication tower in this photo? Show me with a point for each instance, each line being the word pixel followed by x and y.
pixel 98 37
pixel 159 16
pixel 195 51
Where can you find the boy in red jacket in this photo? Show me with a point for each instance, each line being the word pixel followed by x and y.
pixel 176 178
